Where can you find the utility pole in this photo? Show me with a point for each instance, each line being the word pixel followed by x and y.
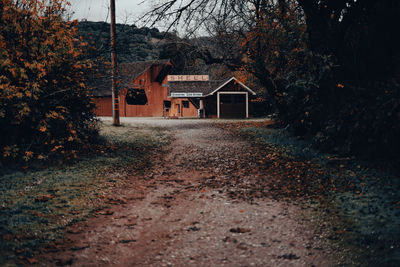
pixel 115 98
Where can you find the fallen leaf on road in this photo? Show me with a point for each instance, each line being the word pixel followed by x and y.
pixel 74 231
pixel 79 248
pixel 289 256
pixel 45 198
pixel 239 230
pixel 32 260
pixel 105 212
pixel 194 228
pixel 116 201
pixel 242 246
pixel 229 239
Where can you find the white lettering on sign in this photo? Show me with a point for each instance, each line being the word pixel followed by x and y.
pixel 187 78
pixel 186 94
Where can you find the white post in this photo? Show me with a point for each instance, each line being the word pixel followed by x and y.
pixel 247 105
pixel 218 111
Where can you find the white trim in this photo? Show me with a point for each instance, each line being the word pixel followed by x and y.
pixel 218 108
pixel 232 93
pixel 225 83
pixel 247 105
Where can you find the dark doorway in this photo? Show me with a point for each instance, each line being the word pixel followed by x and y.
pixel 232 106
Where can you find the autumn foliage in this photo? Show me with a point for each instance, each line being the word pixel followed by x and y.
pixel 331 78
pixel 347 95
pixel 45 108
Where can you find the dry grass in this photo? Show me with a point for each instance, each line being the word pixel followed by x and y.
pixel 36 206
pixel 357 209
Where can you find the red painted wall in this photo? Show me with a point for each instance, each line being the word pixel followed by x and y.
pixel 178 110
pixel 156 94
pixel 103 106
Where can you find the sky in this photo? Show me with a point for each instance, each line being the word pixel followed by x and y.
pixel 127 11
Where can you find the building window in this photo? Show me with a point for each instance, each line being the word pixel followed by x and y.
pixel 167 104
pixel 226 99
pixel 185 103
pixel 135 96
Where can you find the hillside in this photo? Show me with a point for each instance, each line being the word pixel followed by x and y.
pixel 133 43
pixel 194 56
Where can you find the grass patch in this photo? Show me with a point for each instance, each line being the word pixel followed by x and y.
pixel 355 207
pixel 36 206
pixel 284 141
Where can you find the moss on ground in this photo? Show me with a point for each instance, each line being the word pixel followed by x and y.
pixel 36 206
pixel 358 210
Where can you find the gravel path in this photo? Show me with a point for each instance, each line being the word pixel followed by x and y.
pixel 174 216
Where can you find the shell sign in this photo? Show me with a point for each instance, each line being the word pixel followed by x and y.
pixel 187 78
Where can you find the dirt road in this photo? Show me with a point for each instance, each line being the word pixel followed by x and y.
pixel 183 212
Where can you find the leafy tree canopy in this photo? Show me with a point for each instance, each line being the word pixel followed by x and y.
pixel 330 67
pixel 45 107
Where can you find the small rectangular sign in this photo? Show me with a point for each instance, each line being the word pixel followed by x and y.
pixel 186 94
pixel 187 78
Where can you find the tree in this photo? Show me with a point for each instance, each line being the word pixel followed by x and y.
pixel 359 34
pixel 45 106
pixel 263 38
pixel 346 29
pixel 331 66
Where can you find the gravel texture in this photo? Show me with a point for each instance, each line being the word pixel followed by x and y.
pixel 175 216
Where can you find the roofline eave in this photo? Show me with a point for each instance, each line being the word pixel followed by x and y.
pixel 228 81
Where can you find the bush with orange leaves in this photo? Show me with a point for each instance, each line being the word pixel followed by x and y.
pixel 45 107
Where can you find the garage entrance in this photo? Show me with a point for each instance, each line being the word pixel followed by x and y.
pixel 232 104
pixel 227 98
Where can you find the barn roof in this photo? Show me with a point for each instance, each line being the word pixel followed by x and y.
pixel 205 87
pixel 127 72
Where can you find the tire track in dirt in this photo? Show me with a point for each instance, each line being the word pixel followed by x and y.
pixel 173 217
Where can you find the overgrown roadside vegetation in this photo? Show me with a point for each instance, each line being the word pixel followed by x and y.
pixel 37 206
pixel 354 207
pixel 309 62
pixel 46 109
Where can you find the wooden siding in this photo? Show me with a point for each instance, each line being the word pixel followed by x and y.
pixel 103 106
pixel 156 94
pixel 178 110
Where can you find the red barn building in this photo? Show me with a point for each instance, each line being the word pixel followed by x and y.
pixel 137 78
pixel 146 90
